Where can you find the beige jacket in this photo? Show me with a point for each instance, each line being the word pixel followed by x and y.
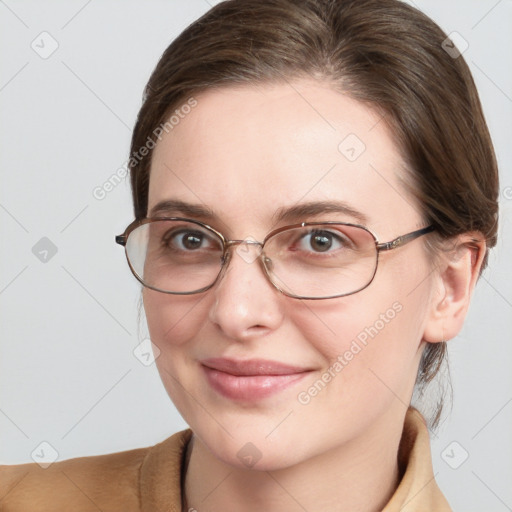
pixel 149 479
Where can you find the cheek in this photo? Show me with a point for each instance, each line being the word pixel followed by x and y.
pixel 173 319
pixel 370 339
pixel 345 324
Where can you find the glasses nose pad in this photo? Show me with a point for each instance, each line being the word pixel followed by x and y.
pixel 225 259
pixel 267 263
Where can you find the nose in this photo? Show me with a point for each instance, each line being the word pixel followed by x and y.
pixel 246 304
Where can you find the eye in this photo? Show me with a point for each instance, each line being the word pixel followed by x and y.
pixel 188 240
pixel 322 241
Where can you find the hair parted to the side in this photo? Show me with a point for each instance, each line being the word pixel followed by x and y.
pixel 384 53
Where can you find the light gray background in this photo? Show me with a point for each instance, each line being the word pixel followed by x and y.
pixel 68 375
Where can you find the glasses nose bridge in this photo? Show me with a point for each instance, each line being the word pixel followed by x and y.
pixel 248 241
pixel 248 256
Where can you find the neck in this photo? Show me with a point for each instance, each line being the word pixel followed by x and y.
pixel 360 475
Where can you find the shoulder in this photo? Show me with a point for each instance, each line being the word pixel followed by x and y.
pixel 82 484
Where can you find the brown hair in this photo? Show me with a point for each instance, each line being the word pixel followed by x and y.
pixel 381 52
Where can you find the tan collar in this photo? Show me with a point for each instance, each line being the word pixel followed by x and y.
pixel 160 477
pixel 160 474
pixel 417 490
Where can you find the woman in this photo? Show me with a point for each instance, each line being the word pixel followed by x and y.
pixel 315 192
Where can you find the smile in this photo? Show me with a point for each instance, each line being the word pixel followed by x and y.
pixel 250 380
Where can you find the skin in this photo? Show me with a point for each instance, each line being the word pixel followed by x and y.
pixel 243 152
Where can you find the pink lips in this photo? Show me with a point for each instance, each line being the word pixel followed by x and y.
pixel 251 379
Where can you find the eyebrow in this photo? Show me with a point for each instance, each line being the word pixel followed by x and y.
pixel 314 208
pixel 171 207
pixel 298 212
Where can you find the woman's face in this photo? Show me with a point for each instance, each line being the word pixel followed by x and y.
pixel 246 155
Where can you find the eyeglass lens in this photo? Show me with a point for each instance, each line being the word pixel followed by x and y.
pixel 177 256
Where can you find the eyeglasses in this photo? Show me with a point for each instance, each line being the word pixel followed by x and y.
pixel 311 260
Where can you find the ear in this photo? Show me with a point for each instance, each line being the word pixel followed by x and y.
pixel 457 273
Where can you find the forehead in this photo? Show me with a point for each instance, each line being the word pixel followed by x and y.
pixel 246 151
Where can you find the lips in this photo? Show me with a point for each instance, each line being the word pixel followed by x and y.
pixel 252 379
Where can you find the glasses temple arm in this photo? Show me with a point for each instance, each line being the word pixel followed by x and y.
pixel 121 240
pixel 404 239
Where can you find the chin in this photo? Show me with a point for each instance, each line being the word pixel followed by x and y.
pixel 255 456
pixel 251 448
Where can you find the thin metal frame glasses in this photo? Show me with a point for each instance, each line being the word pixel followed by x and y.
pixel 350 267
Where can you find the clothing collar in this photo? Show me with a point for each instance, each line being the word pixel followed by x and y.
pixel 417 490
pixel 161 480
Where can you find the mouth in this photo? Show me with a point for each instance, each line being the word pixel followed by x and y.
pixel 252 379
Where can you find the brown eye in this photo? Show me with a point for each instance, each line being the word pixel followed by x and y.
pixel 191 241
pixel 321 241
pixel 187 240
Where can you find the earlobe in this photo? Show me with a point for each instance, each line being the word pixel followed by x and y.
pixel 458 271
